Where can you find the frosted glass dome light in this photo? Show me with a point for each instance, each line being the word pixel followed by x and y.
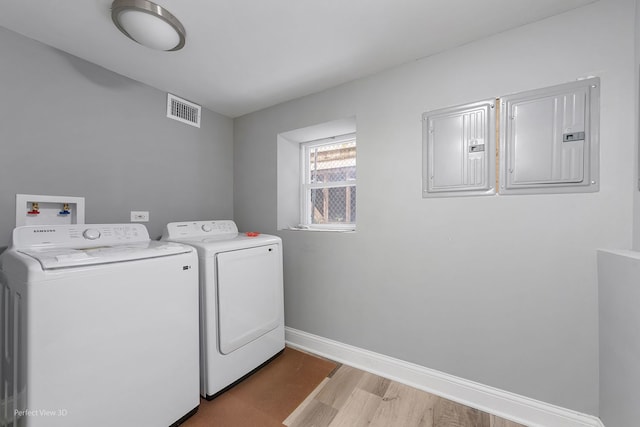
pixel 148 24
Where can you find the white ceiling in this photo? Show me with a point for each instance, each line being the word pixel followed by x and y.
pixel 245 55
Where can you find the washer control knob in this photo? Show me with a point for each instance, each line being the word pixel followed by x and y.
pixel 206 228
pixel 91 234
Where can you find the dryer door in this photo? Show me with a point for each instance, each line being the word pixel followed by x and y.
pixel 249 295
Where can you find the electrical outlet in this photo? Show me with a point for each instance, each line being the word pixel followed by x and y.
pixel 139 216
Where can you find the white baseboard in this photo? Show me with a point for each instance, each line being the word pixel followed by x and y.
pixel 520 409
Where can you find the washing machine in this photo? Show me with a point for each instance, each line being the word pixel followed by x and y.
pixel 241 299
pixel 99 327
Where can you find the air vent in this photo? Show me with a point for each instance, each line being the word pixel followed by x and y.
pixel 183 110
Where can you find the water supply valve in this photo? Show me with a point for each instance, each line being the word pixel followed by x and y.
pixel 65 210
pixel 35 209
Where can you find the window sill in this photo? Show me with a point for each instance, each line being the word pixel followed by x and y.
pixel 322 229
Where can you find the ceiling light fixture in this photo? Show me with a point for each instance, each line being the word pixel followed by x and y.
pixel 148 24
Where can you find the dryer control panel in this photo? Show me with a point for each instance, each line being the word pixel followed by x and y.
pixel 225 228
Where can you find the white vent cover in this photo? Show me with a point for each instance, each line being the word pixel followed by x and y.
pixel 183 110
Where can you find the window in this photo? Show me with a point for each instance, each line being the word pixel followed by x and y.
pixel 316 177
pixel 328 183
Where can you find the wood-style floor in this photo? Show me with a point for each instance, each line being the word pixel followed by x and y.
pixel 301 390
pixel 268 396
pixel 354 398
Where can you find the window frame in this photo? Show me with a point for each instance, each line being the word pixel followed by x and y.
pixel 306 186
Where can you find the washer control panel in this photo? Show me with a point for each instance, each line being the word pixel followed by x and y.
pixel 192 229
pixel 78 235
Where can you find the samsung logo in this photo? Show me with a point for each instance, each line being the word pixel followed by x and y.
pixel 44 230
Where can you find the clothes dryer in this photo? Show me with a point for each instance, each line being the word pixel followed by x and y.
pixel 99 327
pixel 241 299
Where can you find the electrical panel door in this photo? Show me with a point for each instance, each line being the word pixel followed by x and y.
pixel 549 139
pixel 459 150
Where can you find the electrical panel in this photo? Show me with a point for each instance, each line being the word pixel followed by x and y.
pixel 459 150
pixel 549 139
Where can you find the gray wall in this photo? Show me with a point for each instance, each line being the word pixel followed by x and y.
pixel 619 276
pixel 69 127
pixel 636 193
pixel 500 290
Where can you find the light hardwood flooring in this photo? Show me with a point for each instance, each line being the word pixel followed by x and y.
pixel 298 389
pixel 354 398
